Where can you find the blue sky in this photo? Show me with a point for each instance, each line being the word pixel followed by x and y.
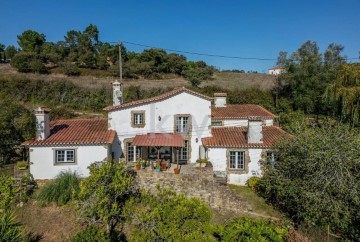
pixel 232 28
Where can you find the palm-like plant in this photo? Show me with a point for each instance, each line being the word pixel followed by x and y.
pixel 10 230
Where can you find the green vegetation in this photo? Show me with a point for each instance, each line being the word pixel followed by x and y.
pixel 246 229
pixel 10 230
pixel 83 49
pixel 7 193
pixel 167 216
pixel 61 190
pixel 16 125
pixel 316 180
pixel 104 193
pixel 252 183
pixel 91 234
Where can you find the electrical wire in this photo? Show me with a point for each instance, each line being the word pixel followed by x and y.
pixel 211 55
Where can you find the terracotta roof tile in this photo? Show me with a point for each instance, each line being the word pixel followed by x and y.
pixel 240 111
pixel 156 98
pixel 159 139
pixel 277 67
pixel 237 137
pixel 76 131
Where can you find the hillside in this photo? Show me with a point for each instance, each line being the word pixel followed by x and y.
pixel 229 80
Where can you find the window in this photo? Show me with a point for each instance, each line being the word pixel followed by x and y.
pixel 184 152
pixel 216 123
pixel 130 152
pixel 271 157
pixel 137 119
pixel 65 156
pixel 182 124
pixel 237 160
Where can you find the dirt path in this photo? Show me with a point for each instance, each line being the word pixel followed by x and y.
pixel 51 223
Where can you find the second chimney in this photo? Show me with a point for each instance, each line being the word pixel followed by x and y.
pixel 255 132
pixel 42 123
pixel 220 99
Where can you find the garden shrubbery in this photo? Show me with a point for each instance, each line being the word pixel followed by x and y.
pixel 61 190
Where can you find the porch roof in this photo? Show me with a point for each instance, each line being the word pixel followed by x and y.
pixel 159 140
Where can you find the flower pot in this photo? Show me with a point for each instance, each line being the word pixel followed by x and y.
pixel 138 167
pixel 163 166
pixel 158 169
pixel 176 171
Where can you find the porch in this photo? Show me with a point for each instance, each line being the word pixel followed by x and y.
pixel 171 148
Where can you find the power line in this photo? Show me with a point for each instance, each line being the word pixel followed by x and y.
pixel 211 55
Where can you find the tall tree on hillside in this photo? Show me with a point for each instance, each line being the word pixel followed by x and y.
pixel 307 76
pixel 2 52
pixel 10 51
pixel 31 41
pixel 344 91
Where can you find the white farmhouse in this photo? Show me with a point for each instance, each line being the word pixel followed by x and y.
pixel 179 124
pixel 276 70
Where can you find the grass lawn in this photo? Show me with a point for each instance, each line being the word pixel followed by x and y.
pixel 257 203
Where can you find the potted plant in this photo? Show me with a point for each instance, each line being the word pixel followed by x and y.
pixel 158 167
pixel 138 164
pixel 176 171
pixel 22 165
pixel 202 161
pixel 143 164
pixel 163 165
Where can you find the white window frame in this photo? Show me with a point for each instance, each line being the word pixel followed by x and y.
pixel 65 156
pixel 271 157
pixel 184 152
pixel 130 152
pixel 138 118
pixel 182 124
pixel 237 159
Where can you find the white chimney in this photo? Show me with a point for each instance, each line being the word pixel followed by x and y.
pixel 42 123
pixel 117 93
pixel 220 99
pixel 254 132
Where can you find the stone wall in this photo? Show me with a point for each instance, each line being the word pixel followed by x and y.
pixel 200 183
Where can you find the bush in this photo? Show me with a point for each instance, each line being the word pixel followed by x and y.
pixel 167 216
pixel 246 229
pixel 91 234
pixel 22 165
pixel 252 183
pixel 10 230
pixel 22 60
pixel 70 69
pixel 7 192
pixel 61 190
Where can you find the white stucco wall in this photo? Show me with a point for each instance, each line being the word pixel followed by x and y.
pixel 269 122
pixel 235 122
pixel 217 156
pixel 183 103
pixel 42 160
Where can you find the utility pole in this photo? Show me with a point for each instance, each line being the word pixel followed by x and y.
pixel 120 73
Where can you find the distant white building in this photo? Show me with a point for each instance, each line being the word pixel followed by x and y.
pixel 180 123
pixel 276 70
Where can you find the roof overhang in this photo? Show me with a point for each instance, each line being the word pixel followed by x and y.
pixel 159 140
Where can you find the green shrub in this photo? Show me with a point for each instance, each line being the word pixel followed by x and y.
pixel 69 69
pixel 7 192
pixel 246 229
pixel 61 190
pixel 22 165
pixel 167 216
pixel 252 182
pixel 21 61
pixel 91 234
pixel 10 230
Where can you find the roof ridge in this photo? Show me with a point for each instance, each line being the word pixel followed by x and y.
pixel 157 98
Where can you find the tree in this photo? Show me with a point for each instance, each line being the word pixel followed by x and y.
pixel 317 180
pixel 104 193
pixel 2 50
pixel 344 93
pixel 170 217
pixel 10 51
pixel 31 41
pixel 196 72
pixel 17 124
pixel 307 75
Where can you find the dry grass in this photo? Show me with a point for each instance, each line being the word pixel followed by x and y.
pixel 51 223
pixel 228 80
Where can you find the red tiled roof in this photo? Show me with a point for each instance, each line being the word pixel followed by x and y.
pixel 157 98
pixel 277 67
pixel 236 137
pixel 159 139
pixel 240 111
pixel 76 131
